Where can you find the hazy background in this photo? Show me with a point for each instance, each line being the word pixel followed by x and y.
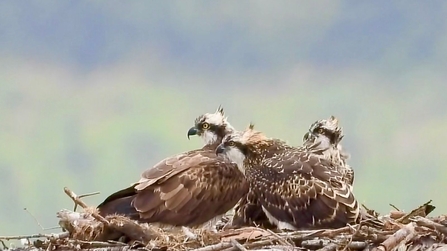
pixel 93 93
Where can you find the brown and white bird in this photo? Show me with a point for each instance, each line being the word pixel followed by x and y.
pixel 324 139
pixel 294 188
pixel 191 189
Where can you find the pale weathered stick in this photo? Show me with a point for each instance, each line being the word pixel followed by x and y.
pixel 237 245
pixel 49 236
pixel 406 233
pixel 215 247
pixel 279 238
pixel 125 226
pixel 76 200
pixel 430 224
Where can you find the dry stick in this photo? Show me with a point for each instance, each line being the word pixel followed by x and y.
pixel 406 233
pixel 215 247
pixel 277 248
pixel 279 238
pixel 50 247
pixel 76 200
pixel 237 245
pixel 49 236
pixel 131 229
pixel 3 244
pixel 38 223
pixel 99 244
pixel 393 206
pixel 430 224
pixel 306 234
pixel 357 230
pixel 82 196
pixel 329 247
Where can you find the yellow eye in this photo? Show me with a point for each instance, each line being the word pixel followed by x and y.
pixel 231 143
pixel 205 125
pixel 320 131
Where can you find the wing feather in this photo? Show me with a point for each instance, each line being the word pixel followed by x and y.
pixel 189 189
pixel 301 190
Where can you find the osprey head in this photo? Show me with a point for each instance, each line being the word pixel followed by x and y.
pixel 211 127
pixel 237 146
pixel 325 132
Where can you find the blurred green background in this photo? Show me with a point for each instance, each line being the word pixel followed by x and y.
pixel 93 93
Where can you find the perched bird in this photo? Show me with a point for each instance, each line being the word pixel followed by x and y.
pixel 295 189
pixel 323 139
pixel 191 189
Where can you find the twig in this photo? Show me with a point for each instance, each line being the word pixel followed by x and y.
pixel 215 247
pixel 393 206
pixel 430 224
pixel 49 236
pixel 3 244
pixel 76 200
pixel 237 245
pixel 329 247
pixel 38 223
pixel 406 233
pixel 357 230
pixel 325 244
pixel 35 219
pixel 82 196
pixel 100 244
pixel 279 238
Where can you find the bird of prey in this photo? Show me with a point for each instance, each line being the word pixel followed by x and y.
pixel 191 189
pixel 323 139
pixel 294 188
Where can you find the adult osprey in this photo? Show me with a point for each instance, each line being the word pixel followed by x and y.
pixel 323 139
pixel 192 189
pixel 295 189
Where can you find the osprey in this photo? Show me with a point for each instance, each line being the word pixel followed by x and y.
pixel 323 139
pixel 191 189
pixel 294 188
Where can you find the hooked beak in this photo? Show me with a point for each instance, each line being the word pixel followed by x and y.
pixel 220 149
pixel 308 134
pixel 192 131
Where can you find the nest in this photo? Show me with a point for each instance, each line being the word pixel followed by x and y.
pixel 90 231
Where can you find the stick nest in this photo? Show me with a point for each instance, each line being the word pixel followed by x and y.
pixel 88 230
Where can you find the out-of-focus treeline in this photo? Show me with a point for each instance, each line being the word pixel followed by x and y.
pixel 93 93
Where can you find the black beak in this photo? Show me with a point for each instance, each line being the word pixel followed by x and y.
pixel 192 131
pixel 220 149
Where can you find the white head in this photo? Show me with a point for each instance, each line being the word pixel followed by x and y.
pixel 211 127
pixel 323 134
pixel 238 146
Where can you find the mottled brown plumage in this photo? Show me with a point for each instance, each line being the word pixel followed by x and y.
pixel 191 189
pixel 295 189
pixel 324 139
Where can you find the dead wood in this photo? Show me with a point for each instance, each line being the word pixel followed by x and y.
pixel 89 231
pixel 404 234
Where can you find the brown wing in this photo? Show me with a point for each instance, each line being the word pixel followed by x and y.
pixel 119 203
pixel 304 192
pixel 349 176
pixel 248 212
pixel 189 190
